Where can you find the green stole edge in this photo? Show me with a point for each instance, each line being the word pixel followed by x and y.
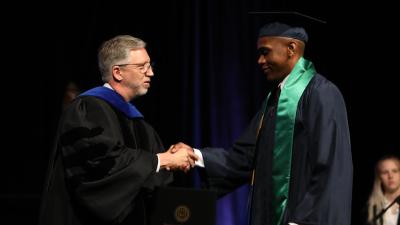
pixel 285 119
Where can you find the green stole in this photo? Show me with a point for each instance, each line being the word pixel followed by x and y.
pixel 285 119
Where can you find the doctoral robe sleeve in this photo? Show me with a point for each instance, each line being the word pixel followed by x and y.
pixel 227 169
pixel 103 174
pixel 328 191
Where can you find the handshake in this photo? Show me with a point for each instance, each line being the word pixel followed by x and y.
pixel 178 156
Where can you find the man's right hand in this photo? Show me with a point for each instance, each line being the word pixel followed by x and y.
pixel 178 156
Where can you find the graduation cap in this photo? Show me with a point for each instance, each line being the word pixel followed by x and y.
pixel 307 28
pixel 287 24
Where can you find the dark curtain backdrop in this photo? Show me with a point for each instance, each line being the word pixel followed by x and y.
pixel 207 84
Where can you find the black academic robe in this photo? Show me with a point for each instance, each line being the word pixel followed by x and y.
pixel 103 167
pixel 320 190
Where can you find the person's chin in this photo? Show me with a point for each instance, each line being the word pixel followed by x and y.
pixel 143 91
pixel 270 77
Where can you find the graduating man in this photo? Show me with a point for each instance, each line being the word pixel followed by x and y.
pixel 107 160
pixel 296 149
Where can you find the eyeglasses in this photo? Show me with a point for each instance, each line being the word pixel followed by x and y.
pixel 143 68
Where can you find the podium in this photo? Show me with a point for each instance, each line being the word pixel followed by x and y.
pixel 183 206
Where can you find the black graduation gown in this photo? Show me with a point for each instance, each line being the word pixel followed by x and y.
pixel 321 172
pixel 103 167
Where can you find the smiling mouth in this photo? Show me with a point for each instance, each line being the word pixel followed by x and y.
pixel 266 69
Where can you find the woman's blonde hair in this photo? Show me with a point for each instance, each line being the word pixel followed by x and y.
pixel 376 201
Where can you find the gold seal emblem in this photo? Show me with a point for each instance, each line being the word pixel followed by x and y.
pixel 182 213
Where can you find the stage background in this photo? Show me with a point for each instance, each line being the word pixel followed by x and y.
pixel 207 84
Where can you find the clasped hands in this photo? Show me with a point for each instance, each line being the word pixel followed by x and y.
pixel 178 156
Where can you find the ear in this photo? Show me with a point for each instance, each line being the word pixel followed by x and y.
pixel 292 46
pixel 116 73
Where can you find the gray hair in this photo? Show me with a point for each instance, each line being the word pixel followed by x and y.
pixel 116 51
